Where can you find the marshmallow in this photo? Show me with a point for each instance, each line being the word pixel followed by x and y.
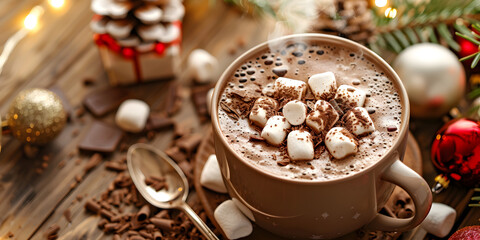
pixel 263 108
pixel 439 220
pixel 149 14
pixel 295 112
pixel 131 41
pixel 290 89
pixel 340 143
pixel 358 122
pixel 174 11
pixel 349 97
pixel 244 209
pixel 99 24
pixel 275 130
pixel 300 145
pixel 119 10
pixel 209 100
pixel 203 66
pixel 323 117
pixel 151 32
pixel 119 28
pixel 211 176
pixel 323 85
pixel 132 115
pixel 269 90
pixel 172 32
pixel 111 8
pixel 232 221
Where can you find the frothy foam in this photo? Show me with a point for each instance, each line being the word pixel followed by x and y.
pixel 300 61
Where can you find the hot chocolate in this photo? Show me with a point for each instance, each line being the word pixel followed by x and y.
pixel 310 111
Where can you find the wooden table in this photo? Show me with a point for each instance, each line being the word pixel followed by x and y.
pixel 62 54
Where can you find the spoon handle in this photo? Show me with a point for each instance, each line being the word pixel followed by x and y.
pixel 198 222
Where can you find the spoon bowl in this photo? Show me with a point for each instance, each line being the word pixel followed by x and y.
pixel 145 161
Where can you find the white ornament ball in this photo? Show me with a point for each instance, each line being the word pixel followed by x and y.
pixel 433 77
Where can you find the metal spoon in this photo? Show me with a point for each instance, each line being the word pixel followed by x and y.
pixel 143 161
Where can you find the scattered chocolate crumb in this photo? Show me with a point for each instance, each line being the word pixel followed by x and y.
pixel 94 160
pixel 52 231
pixel 189 143
pixel 68 215
pixel 115 166
pixel 391 128
pixel 255 138
pixel 88 81
pixel 371 111
pixel 61 164
pixel 158 121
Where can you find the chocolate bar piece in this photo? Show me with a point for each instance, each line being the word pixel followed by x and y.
pixel 104 101
pixel 101 137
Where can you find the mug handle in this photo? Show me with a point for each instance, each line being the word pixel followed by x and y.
pixel 399 174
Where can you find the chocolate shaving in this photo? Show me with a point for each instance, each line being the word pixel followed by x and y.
pixel 68 215
pixel 336 106
pixel 162 223
pixel 190 142
pixel 255 138
pixel 92 206
pixel 143 214
pixel 52 230
pixel 229 111
pixel 115 166
pixel 94 160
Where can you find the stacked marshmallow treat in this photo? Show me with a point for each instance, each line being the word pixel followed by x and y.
pixel 138 40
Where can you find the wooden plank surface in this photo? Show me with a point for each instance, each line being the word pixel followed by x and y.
pixel 62 54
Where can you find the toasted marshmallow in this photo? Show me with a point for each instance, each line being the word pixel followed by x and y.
pixel 149 14
pixel 202 65
pixel 349 97
pixel 358 122
pixel 211 176
pixel 275 130
pixel 300 145
pixel 119 28
pixel 340 143
pixel 323 117
pixel 295 112
pixel 323 85
pixel 132 115
pixel 232 221
pixel 263 108
pixel 290 89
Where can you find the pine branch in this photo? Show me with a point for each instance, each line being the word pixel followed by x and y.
pixel 426 21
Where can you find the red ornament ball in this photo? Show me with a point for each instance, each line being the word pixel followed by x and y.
pixel 467 233
pixel 456 151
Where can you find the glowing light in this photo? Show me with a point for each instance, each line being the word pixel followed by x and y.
pixel 381 3
pixel 56 3
pixel 391 13
pixel 31 21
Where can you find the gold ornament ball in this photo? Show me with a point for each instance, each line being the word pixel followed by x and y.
pixel 36 116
